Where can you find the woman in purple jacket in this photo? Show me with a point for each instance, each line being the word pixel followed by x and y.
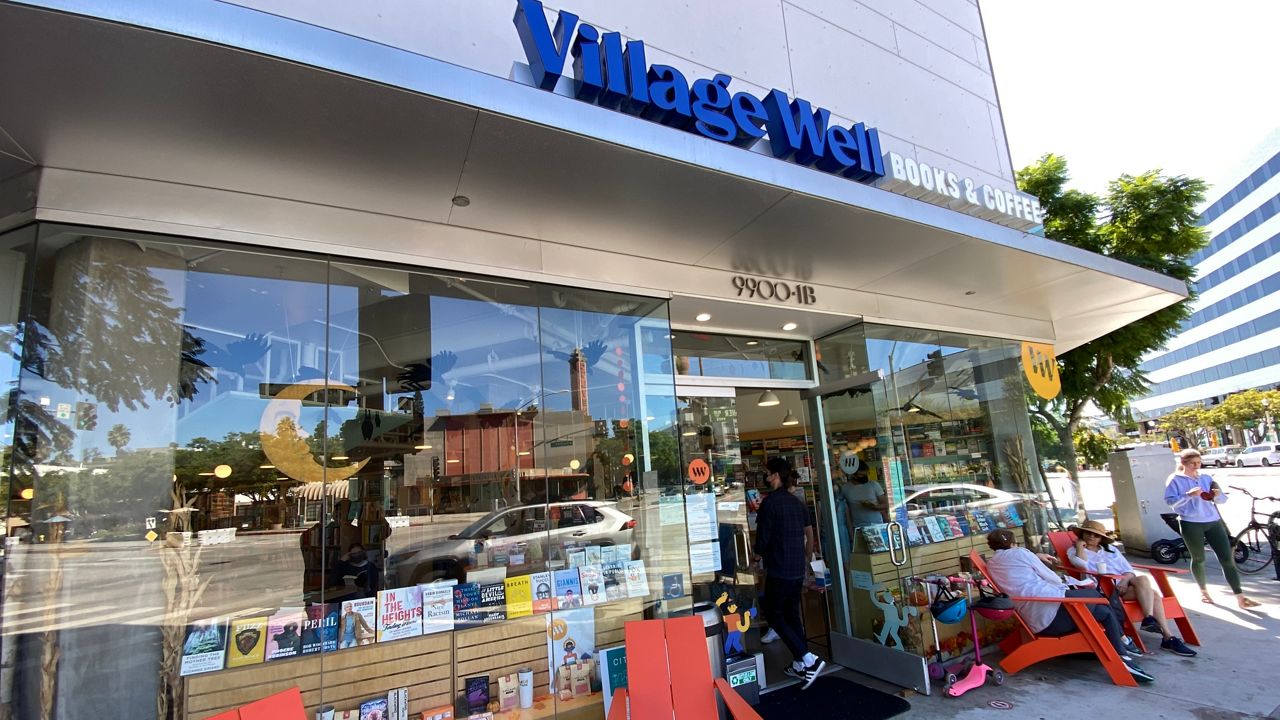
pixel 1196 497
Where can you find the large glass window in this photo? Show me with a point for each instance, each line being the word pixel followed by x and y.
pixel 929 450
pixel 219 457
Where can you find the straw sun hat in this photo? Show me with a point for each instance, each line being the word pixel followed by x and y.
pixel 1094 527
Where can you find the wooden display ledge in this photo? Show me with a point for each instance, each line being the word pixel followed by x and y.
pixel 434 668
pixel 578 708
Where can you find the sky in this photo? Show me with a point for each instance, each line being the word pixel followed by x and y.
pixel 1127 86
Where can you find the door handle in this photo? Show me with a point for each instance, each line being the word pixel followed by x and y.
pixel 897 541
pixel 580 533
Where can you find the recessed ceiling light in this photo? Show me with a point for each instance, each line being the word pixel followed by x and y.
pixel 703 317
pixel 461 200
pixel 753 342
pixel 790 326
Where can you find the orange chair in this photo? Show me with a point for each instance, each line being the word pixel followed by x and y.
pixel 1024 648
pixel 669 675
pixel 1132 610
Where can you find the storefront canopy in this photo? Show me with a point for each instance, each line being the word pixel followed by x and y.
pixel 313 140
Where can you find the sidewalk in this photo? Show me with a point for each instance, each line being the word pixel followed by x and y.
pixel 1235 676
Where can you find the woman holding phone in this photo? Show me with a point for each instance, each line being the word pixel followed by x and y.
pixel 1196 497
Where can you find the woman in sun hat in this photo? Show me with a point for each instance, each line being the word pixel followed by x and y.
pixel 1093 551
pixel 1196 497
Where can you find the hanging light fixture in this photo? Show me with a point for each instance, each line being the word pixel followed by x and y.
pixel 768 399
pixel 790 419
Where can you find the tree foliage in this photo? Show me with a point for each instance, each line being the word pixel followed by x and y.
pixel 1148 220
pixel 1092 446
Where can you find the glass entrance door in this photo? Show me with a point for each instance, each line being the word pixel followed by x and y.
pixel 877 629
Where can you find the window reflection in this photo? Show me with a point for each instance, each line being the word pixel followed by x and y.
pixel 243 440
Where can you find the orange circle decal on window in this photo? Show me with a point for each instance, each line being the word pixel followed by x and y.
pixel 699 471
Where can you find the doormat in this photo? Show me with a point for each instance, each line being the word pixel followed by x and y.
pixel 830 698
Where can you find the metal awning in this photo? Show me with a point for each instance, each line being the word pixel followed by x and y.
pixel 324 142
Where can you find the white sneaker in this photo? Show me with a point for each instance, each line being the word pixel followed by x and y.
pixel 812 671
pixel 769 636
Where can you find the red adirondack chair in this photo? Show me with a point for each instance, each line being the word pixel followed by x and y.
pixel 1024 648
pixel 285 705
pixel 1132 610
pixel 669 675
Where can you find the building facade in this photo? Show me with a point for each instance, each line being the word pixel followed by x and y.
pixel 368 347
pixel 1229 343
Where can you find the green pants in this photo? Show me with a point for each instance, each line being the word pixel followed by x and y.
pixel 1195 533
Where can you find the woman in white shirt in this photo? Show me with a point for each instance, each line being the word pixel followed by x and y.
pixel 1093 552
pixel 1022 573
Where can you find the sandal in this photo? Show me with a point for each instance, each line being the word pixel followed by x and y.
pixel 1205 598
pixel 1246 603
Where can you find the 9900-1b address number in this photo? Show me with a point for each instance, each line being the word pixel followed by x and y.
pixel 764 289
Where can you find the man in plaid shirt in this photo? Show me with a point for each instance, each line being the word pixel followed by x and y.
pixel 780 542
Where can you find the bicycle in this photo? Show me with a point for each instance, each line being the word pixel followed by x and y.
pixel 1255 545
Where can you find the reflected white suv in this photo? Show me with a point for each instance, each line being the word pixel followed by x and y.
pixel 1265 455
pixel 1221 456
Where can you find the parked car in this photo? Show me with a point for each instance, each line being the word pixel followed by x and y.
pixel 1220 456
pixel 930 499
pixel 580 522
pixel 1265 455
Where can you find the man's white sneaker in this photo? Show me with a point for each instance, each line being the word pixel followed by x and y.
pixel 770 636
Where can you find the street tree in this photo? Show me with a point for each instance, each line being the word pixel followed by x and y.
pixel 1148 220
pixel 1244 409
pixel 1186 423
pixel 118 437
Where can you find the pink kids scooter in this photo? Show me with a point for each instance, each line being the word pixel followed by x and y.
pixel 992 607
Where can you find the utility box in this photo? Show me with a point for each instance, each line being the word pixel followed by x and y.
pixel 1138 477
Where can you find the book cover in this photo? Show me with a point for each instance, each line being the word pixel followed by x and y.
pixel 357 623
pixel 954 524
pixel 544 597
pixel 320 628
pixel 1011 516
pixel 477 690
pixel 577 558
pixel 467 612
pixel 205 646
pixel 608 554
pixel 592 580
pixel 615 580
pixel 519 596
pixel 375 709
pixel 623 553
pixel 284 634
pixel 493 602
pixel 943 525
pixel 637 579
pixel 935 532
pixel 568 589
pixel 982 521
pixel 922 529
pixel 875 542
pixel 966 528
pixel 399 613
pixel 437 607
pixel 248 644
pixel 571 637
pixel 913 534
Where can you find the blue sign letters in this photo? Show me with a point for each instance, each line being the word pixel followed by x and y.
pixel 615 76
